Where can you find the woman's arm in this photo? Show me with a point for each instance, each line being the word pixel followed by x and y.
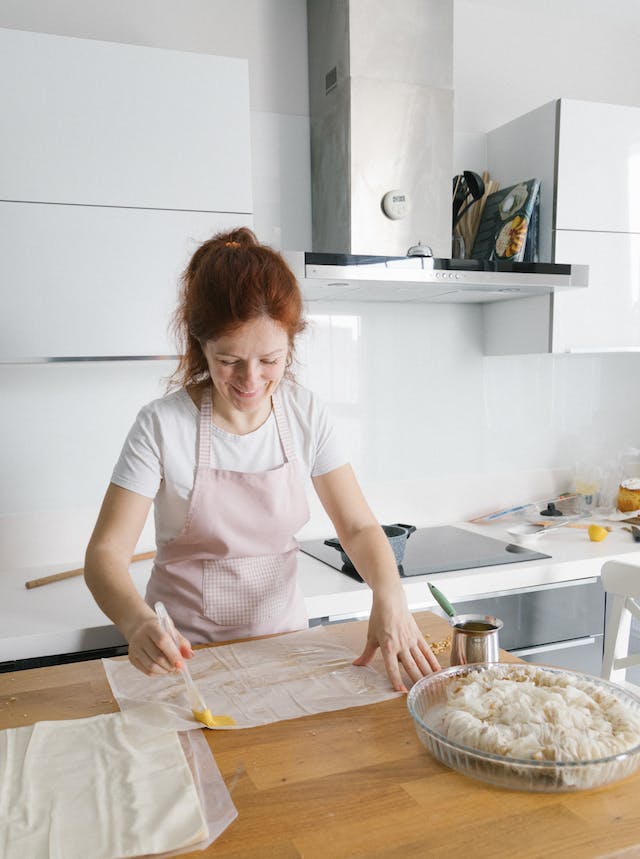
pixel 106 572
pixel 392 627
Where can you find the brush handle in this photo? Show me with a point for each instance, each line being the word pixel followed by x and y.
pixel 195 698
pixel 441 599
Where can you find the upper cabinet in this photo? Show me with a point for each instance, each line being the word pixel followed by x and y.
pixel 105 124
pixel 116 162
pixel 607 317
pixel 598 167
pixel 588 158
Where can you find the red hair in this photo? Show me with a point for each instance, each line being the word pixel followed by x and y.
pixel 231 279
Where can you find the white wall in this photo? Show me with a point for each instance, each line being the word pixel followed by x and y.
pixel 510 58
pixel 412 393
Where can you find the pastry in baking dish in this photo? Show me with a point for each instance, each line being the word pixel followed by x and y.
pixel 538 714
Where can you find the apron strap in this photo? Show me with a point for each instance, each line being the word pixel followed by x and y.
pixel 205 430
pixel 283 427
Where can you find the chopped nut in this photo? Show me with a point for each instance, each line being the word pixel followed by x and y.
pixel 438 647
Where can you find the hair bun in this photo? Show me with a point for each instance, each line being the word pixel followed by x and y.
pixel 242 237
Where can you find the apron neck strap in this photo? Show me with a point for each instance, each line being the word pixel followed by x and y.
pixel 205 430
pixel 284 430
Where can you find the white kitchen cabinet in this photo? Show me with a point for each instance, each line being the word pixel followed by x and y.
pixel 598 184
pixel 107 124
pixel 93 281
pixel 587 156
pixel 606 315
pixel 116 161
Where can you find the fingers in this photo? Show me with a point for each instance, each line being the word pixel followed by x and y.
pixel 154 651
pixel 149 658
pixel 367 654
pixel 412 661
pixel 392 664
pixel 419 661
pixel 185 647
pixel 416 659
pixel 431 658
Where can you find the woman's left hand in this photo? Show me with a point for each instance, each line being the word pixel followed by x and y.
pixel 393 629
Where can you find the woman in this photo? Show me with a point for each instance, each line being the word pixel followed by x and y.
pixel 224 459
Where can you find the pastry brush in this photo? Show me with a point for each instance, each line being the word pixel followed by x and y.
pixel 201 713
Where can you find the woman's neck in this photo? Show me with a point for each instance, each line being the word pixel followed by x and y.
pixel 228 419
pixel 240 423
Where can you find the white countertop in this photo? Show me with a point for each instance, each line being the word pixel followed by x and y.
pixel 63 618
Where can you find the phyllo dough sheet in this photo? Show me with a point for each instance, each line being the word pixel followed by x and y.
pixel 260 681
pixel 104 787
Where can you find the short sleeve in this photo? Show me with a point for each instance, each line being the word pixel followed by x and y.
pixel 139 467
pixel 329 452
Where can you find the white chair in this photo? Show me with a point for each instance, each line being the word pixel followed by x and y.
pixel 622 582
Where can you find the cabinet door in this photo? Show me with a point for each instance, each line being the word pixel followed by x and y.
pixel 525 148
pixel 102 123
pixel 583 654
pixel 93 281
pixel 606 315
pixel 598 175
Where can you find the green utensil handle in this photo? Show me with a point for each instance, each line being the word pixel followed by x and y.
pixel 442 601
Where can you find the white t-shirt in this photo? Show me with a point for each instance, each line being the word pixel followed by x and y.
pixel 158 459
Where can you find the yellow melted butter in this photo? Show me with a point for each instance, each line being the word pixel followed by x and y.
pixel 210 721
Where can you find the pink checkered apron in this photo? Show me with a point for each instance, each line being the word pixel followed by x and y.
pixel 231 572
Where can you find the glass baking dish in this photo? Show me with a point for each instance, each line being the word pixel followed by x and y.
pixel 426 703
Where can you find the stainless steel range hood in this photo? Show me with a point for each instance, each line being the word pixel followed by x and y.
pixel 381 110
pixel 340 277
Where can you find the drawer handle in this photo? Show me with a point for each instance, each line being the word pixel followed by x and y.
pixel 558 645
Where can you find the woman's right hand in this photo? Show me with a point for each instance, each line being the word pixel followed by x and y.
pixel 153 651
pixel 106 572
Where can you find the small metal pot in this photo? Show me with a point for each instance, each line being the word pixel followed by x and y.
pixel 397 535
pixel 475 638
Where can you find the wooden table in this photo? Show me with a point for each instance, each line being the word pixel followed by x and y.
pixel 357 782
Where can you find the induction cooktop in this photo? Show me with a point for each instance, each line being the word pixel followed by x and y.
pixel 437 549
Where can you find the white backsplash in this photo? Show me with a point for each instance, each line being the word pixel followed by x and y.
pixel 435 430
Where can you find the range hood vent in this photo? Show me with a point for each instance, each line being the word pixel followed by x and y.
pixel 381 115
pixel 344 277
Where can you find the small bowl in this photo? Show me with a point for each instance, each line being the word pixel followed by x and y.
pixel 426 703
pixel 526 532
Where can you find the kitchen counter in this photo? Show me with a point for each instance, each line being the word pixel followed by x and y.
pixel 62 618
pixel 360 778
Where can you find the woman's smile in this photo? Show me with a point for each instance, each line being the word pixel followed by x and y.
pixel 246 367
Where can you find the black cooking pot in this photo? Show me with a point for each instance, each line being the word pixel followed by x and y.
pixel 397 535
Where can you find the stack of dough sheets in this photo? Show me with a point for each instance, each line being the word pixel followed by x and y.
pixel 115 785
